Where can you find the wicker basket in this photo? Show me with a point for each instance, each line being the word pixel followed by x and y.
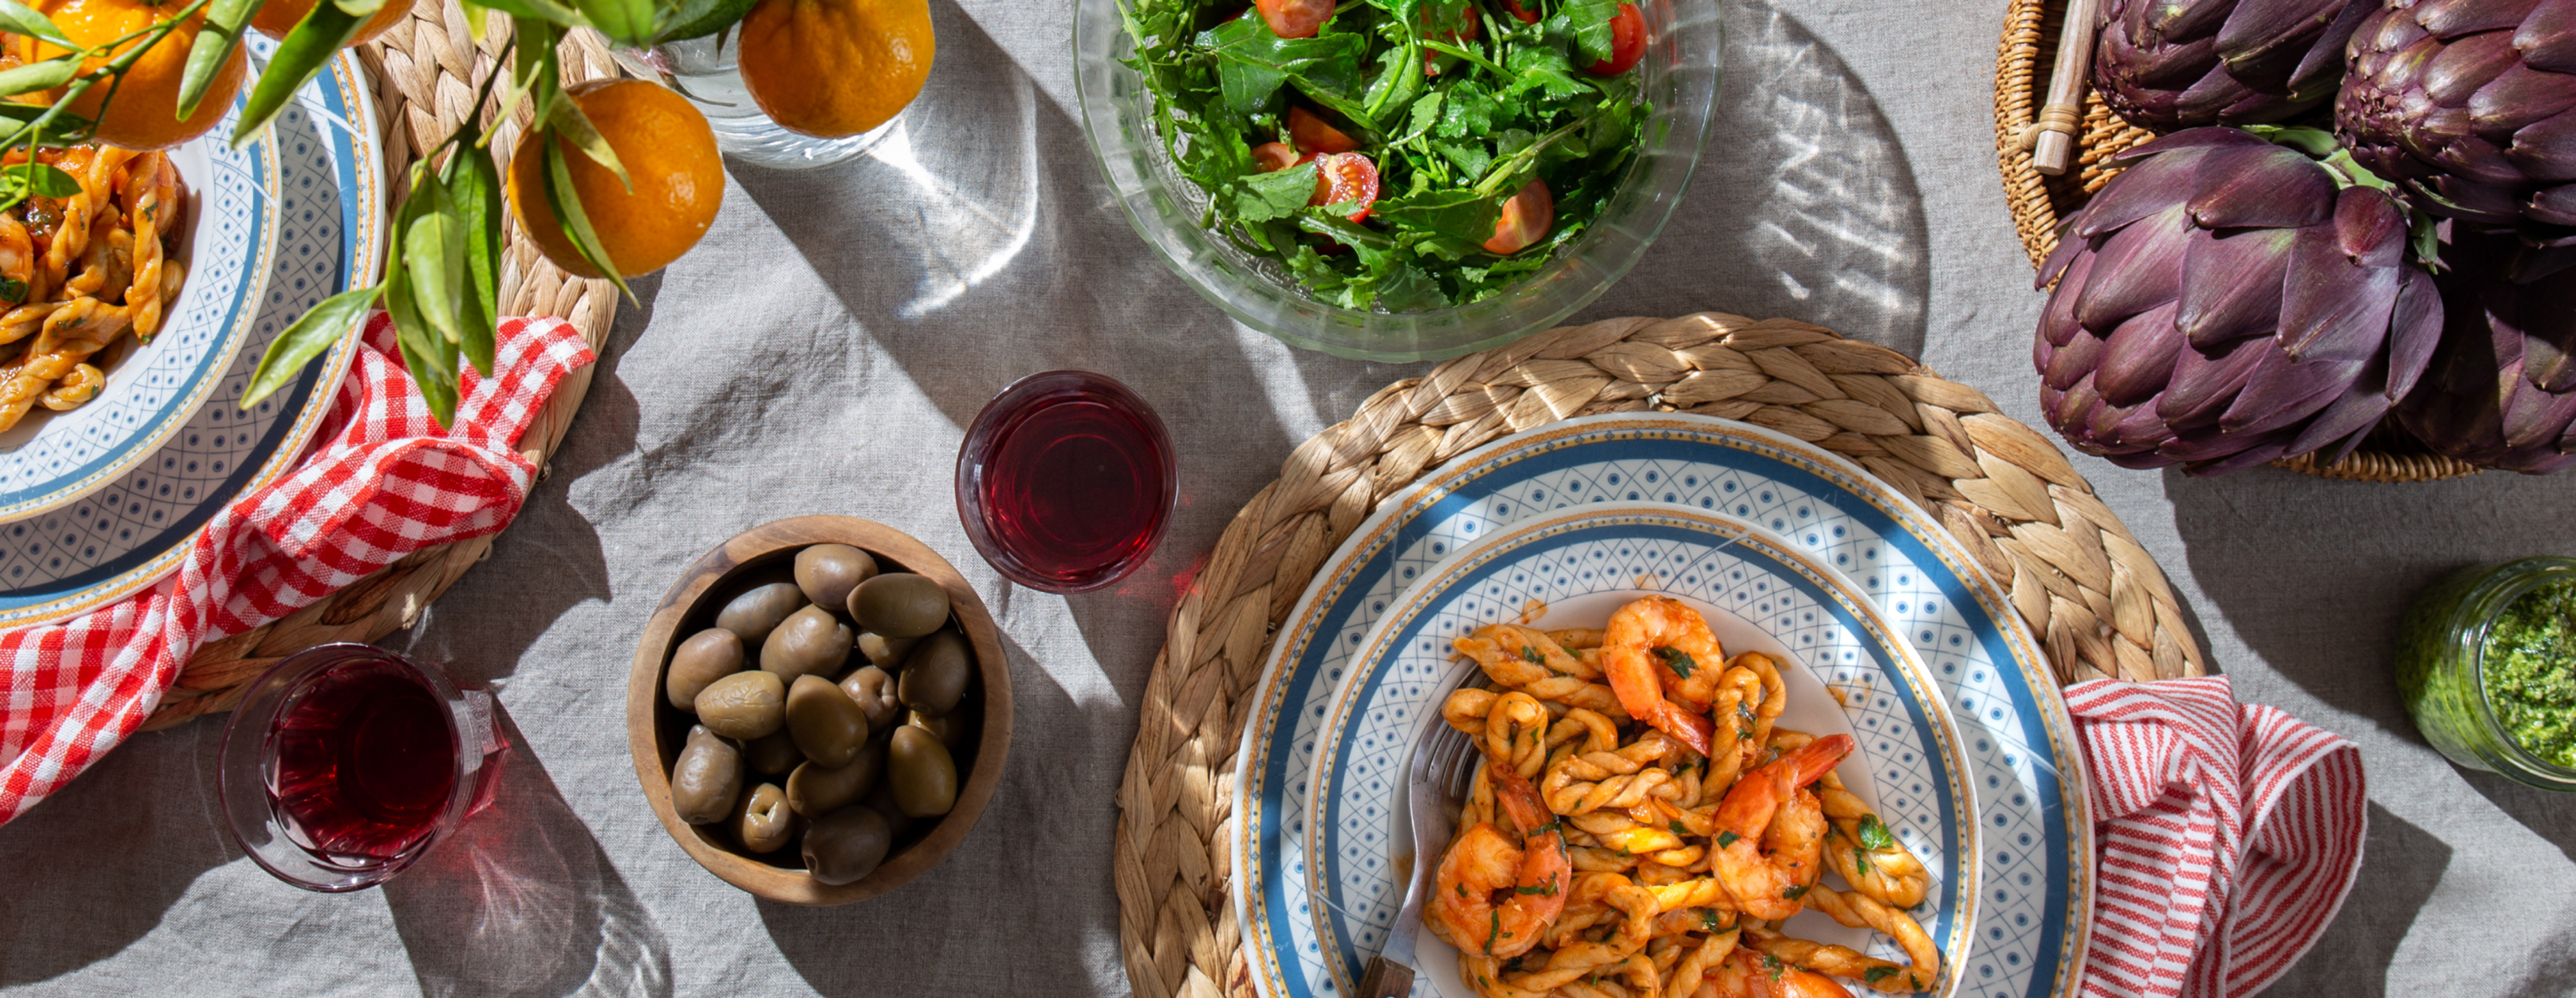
pixel 424 71
pixel 2040 202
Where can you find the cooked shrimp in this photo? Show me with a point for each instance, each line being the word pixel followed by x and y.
pixel 1657 642
pixel 1533 876
pixel 17 257
pixel 1745 974
pixel 1764 870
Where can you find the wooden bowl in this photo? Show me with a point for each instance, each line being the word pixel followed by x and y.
pixel 655 730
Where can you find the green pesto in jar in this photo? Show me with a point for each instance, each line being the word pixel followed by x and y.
pixel 2529 670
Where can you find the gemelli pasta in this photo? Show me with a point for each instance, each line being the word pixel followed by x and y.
pixel 1641 825
pixel 78 272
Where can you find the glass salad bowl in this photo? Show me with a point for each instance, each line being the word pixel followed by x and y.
pixel 1679 76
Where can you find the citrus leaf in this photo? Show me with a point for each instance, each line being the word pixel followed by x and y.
pixel 532 60
pixel 537 10
pixel 19 19
pixel 700 18
pixel 571 124
pixel 360 9
pixel 429 358
pixel 307 338
pixel 434 253
pixel 302 54
pixel 55 126
pixel 36 76
pixel 216 42
pixel 475 15
pixel 628 22
pixel 42 180
pixel 576 223
pixel 474 187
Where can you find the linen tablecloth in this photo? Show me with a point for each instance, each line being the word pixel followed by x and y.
pixel 821 351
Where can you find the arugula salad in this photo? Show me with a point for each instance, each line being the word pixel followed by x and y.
pixel 1403 155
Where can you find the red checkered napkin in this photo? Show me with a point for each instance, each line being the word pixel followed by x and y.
pixel 382 481
pixel 2229 835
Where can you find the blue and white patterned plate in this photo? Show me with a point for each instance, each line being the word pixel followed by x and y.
pixel 2035 868
pixel 104 500
pixel 1758 592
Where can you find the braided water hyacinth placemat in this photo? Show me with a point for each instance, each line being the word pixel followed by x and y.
pixel 425 72
pixel 2100 604
pixel 2041 203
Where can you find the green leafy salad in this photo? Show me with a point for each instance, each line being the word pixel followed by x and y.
pixel 1396 154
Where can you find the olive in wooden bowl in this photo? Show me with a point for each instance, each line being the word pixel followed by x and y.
pixel 737 690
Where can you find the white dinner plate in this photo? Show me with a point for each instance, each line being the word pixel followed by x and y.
pixel 1847 671
pixel 103 500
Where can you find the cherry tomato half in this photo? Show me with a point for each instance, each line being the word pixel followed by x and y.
pixel 1627 43
pixel 1312 135
pixel 1273 157
pixel 1525 220
pixel 1520 13
pixel 1295 18
pixel 1346 177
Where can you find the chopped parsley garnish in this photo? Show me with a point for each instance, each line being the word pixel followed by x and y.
pixel 1678 660
pixel 1678 828
pixel 1874 834
pixel 1860 863
pixel 1725 839
pixel 1542 890
pixel 1877 974
pixel 1531 656
pixel 1794 893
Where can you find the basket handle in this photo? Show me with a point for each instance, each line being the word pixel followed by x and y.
pixel 2051 139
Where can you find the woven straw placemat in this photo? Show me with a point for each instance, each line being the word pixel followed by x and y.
pixel 2040 203
pixel 425 72
pixel 2100 604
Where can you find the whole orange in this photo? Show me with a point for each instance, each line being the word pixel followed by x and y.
pixel 834 68
pixel 144 115
pixel 667 150
pixel 277 17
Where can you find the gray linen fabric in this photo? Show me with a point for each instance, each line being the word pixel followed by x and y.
pixel 820 353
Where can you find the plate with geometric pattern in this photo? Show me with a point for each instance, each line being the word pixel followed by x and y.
pixel 125 483
pixel 1846 669
pixel 2035 869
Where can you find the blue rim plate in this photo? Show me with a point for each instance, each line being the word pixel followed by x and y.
pixel 295 217
pixel 1758 592
pixel 2035 866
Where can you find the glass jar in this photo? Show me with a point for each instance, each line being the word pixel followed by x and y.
pixel 704 71
pixel 2441 668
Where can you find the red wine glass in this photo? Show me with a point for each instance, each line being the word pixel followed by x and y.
pixel 1066 481
pixel 345 763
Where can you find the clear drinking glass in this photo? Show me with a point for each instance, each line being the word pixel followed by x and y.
pixel 346 763
pixel 702 69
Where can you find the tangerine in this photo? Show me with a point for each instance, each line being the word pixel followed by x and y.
pixel 277 17
pixel 144 115
pixel 835 68
pixel 667 150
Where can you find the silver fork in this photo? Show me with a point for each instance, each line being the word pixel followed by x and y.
pixel 1443 767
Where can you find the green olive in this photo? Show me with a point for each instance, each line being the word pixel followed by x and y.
pixel 773 754
pixel 763 822
pixel 846 845
pixel 899 605
pixel 881 800
pixel 953 729
pixel 706 778
pixel 935 676
pixel 884 652
pixel 827 572
pixel 815 790
pixel 809 641
pixel 744 705
pixel 752 615
pixel 874 691
pixel 828 726
pixel 922 772
pixel 707 656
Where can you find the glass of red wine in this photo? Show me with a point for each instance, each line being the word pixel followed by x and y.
pixel 346 762
pixel 1066 481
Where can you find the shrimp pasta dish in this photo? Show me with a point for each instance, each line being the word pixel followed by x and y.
pixel 1640 825
pixel 79 272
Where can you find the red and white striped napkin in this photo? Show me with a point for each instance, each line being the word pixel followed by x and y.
pixel 381 481
pixel 2229 835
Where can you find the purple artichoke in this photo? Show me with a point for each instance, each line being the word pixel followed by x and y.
pixel 2169 64
pixel 2502 388
pixel 2225 302
pixel 2471 104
